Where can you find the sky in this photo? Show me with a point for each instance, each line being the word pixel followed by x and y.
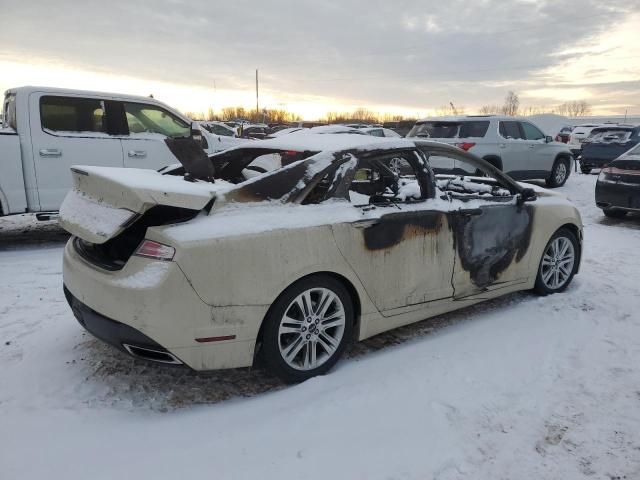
pixel 403 57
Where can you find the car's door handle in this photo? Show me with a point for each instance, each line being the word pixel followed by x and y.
pixel 469 212
pixel 50 152
pixel 137 153
pixel 503 145
pixel 532 146
pixel 366 223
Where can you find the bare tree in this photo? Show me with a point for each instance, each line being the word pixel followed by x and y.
pixel 490 109
pixel 576 108
pixel 511 104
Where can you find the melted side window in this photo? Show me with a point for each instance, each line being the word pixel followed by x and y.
pixel 459 178
pixel 385 180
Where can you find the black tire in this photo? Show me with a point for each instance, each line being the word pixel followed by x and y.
pixel 614 213
pixel 495 161
pixel 541 288
pixel 559 173
pixel 271 354
pixel 585 170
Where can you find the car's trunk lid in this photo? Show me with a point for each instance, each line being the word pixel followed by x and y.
pixel 105 201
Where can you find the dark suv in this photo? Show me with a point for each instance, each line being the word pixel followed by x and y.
pixel 605 144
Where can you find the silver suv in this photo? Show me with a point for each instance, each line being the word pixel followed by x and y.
pixel 514 145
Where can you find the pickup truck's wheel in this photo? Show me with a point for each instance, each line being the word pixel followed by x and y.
pixel 308 328
pixel 614 213
pixel 559 173
pixel 558 263
pixel 585 170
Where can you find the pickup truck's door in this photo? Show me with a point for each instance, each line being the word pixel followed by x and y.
pixel 149 126
pixel 68 130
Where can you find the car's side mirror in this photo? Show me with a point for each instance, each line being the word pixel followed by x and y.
pixel 527 195
pixel 548 139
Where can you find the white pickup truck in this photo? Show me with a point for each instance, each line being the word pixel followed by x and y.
pixel 46 130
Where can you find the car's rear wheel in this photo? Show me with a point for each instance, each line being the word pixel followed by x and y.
pixel 558 263
pixel 585 170
pixel 559 173
pixel 308 328
pixel 614 213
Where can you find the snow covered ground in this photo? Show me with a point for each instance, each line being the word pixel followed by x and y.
pixel 518 388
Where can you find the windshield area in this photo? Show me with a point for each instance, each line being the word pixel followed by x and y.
pixel 449 129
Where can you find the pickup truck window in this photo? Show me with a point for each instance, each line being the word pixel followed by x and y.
pixel 151 119
pixel 70 114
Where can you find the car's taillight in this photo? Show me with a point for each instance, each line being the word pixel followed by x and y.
pixel 465 145
pixel 158 251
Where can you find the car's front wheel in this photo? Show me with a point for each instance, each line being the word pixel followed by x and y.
pixel 585 170
pixel 308 328
pixel 558 264
pixel 559 173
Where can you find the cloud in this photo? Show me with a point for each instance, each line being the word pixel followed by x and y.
pixel 408 54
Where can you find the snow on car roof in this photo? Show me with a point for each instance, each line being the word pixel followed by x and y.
pixel 328 142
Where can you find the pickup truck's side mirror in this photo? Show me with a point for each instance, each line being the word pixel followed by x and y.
pixel 548 139
pixel 196 134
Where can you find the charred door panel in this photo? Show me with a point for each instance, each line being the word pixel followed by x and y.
pixel 402 258
pixel 492 246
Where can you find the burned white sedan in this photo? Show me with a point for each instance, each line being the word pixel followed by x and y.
pixel 289 249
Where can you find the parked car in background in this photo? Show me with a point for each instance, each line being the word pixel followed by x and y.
pixel 307 124
pixel 578 135
pixel 219 128
pixel 618 185
pixel 513 145
pixel 46 130
pixel 213 142
pixel 355 249
pixel 402 127
pixel 284 131
pixel 564 134
pixel 324 129
pixel 380 132
pixel 256 131
pixel 606 143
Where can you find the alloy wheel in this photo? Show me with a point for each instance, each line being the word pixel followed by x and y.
pixel 311 329
pixel 561 173
pixel 557 263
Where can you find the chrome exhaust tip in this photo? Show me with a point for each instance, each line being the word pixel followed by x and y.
pixel 151 354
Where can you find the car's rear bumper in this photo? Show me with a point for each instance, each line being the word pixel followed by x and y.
pixel 618 196
pixel 151 304
pixel 119 335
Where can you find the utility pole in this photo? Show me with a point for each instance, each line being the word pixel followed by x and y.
pixel 257 105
